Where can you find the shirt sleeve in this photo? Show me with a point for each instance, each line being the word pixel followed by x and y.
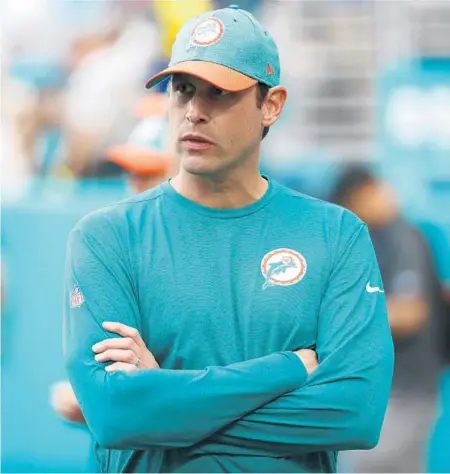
pixel 161 408
pixel 343 403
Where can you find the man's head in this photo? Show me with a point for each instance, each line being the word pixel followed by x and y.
pixel 144 157
pixel 224 91
pixel 368 197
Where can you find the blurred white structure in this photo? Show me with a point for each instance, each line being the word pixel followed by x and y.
pixel 331 52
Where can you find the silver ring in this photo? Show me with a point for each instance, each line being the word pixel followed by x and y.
pixel 138 362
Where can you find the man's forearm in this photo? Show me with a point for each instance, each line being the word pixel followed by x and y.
pixel 341 407
pixel 168 408
pixel 308 420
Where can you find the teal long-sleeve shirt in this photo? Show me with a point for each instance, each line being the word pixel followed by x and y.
pixel 222 297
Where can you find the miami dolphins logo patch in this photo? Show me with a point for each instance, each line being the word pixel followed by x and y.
pixel 207 32
pixel 282 267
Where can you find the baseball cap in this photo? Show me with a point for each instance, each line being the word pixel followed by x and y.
pixel 228 48
pixel 145 153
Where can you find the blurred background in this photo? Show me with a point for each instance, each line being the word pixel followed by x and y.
pixel 367 125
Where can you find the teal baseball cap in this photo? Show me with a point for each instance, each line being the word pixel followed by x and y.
pixel 228 48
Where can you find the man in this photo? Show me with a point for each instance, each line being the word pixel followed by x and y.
pixel 414 307
pixel 194 312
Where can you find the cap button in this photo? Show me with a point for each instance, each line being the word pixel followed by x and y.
pixel 234 7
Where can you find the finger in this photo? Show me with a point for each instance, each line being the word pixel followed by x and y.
pixel 121 367
pixel 124 331
pixel 116 343
pixel 117 355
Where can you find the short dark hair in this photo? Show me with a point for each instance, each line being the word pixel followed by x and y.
pixel 261 94
pixel 352 178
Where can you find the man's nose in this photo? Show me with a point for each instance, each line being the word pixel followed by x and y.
pixel 197 110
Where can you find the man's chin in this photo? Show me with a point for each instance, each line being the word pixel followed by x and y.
pixel 201 165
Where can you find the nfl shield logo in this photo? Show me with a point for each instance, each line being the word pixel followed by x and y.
pixel 76 298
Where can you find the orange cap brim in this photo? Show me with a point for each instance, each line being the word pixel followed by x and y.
pixel 139 160
pixel 220 76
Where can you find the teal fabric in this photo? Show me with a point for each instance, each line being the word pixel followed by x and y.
pixel 34 237
pixel 437 453
pixel 222 297
pixel 238 40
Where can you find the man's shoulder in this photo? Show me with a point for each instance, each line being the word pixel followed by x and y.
pixel 317 211
pixel 119 215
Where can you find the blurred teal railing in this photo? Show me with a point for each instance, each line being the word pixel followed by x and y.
pixel 34 233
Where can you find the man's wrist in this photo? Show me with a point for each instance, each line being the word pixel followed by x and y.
pixel 298 367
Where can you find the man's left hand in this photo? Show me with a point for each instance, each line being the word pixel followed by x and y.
pixel 129 352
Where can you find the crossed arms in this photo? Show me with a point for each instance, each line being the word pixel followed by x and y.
pixel 268 404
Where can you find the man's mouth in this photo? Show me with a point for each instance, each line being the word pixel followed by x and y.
pixel 196 141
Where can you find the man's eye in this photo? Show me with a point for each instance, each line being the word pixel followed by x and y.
pixel 184 88
pixel 219 92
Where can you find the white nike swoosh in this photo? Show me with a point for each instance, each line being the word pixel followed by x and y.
pixel 373 289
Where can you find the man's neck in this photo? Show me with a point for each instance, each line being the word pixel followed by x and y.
pixel 227 193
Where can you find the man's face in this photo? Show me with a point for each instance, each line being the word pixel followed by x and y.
pixel 214 131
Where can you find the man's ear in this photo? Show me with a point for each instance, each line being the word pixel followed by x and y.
pixel 273 105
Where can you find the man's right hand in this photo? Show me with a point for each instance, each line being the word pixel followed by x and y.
pixel 309 359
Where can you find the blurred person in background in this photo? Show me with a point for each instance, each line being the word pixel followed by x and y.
pixel 108 70
pixel 437 453
pixel 64 402
pixel 413 298
pixel 236 284
pixel 18 129
pixel 145 157
pixel 34 42
pixel 29 111
pixel 33 95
